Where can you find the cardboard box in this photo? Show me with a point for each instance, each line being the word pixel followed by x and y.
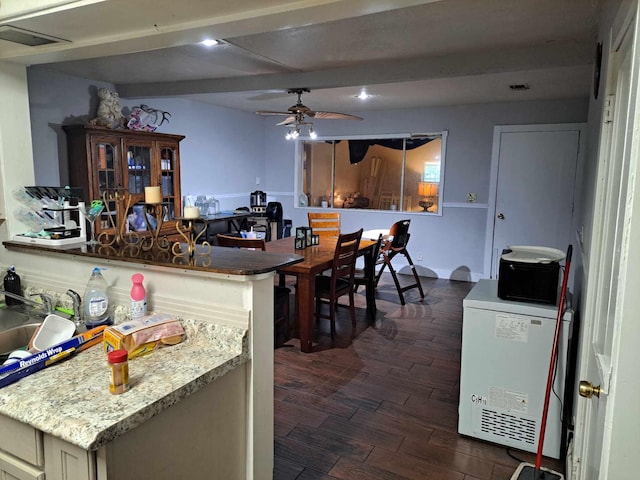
pixel 143 335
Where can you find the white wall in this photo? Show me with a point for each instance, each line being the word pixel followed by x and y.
pixel 225 150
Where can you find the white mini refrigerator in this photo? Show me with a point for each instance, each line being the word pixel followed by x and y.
pixel 506 349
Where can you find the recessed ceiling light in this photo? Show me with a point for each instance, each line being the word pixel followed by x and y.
pixel 363 95
pixel 209 42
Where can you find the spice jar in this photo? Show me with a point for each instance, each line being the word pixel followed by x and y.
pixel 118 361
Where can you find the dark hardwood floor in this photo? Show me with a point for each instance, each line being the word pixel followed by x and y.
pixel 384 406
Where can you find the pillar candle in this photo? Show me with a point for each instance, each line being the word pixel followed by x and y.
pixel 191 212
pixel 152 195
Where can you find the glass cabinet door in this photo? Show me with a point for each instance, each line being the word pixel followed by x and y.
pixel 138 168
pixel 168 177
pixel 107 154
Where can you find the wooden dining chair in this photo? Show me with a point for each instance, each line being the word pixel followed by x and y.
pixel 281 312
pixel 325 224
pixel 331 287
pixel 239 242
pixel 398 246
pixel 367 277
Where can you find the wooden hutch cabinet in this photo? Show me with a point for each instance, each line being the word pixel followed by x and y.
pixel 103 161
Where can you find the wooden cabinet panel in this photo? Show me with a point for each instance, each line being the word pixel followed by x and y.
pixel 105 160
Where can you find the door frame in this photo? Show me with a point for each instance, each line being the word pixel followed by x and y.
pixel 498 130
pixel 622 418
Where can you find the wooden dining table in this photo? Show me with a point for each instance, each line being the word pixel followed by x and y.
pixel 317 259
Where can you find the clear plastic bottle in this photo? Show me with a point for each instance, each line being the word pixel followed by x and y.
pixel 138 297
pixel 12 285
pixel 96 301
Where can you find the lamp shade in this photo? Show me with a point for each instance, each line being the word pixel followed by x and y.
pixel 426 189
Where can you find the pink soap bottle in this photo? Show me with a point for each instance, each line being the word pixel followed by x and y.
pixel 138 297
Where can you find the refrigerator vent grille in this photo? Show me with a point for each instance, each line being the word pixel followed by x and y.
pixel 508 426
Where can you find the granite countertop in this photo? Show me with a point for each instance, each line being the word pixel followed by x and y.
pixel 71 399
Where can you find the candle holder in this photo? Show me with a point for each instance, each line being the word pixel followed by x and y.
pixel 191 238
pixel 158 211
pixel 122 200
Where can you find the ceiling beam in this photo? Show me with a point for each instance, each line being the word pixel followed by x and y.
pixel 510 60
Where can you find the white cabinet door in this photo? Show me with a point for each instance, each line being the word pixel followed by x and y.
pixel 67 462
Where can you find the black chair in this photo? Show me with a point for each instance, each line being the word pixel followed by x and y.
pixel 281 325
pixel 398 246
pixel 367 277
pixel 330 287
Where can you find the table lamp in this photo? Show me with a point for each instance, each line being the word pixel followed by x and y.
pixel 428 192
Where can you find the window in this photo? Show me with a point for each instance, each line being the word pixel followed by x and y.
pixel 378 173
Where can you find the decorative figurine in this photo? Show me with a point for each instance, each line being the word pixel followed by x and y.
pixel 109 111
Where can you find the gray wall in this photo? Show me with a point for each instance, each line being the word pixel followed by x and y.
pixel 452 245
pixel 225 150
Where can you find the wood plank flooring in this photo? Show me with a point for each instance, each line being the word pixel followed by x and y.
pixel 385 406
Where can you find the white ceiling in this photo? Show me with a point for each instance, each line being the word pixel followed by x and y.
pixel 406 53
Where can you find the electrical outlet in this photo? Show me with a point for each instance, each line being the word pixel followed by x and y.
pixel 419 256
pixel 472 197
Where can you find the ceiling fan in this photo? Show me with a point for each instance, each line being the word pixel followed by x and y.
pixel 296 114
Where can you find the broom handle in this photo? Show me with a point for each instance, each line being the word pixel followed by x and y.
pixel 554 354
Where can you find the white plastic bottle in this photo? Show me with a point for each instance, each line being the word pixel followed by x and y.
pixel 138 297
pixel 96 301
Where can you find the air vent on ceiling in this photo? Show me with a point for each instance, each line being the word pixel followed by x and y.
pixel 26 37
pixel 520 86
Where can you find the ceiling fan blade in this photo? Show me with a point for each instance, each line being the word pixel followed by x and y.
pixel 268 112
pixel 287 121
pixel 333 115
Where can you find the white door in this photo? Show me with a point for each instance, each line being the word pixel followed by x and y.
pixel 606 445
pixel 535 187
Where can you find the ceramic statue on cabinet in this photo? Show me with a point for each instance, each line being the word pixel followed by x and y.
pixel 109 111
pixel 146 118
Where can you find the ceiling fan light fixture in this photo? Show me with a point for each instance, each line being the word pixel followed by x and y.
pixel 298 115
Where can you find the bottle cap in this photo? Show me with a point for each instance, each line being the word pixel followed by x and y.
pixel 117 356
pixel 137 278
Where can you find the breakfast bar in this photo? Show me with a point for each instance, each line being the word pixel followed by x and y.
pixel 199 409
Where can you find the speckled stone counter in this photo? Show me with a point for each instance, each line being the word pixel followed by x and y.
pixel 71 400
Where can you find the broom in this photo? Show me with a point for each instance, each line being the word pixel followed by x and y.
pixel 527 471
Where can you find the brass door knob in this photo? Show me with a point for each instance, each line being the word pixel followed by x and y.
pixel 587 389
pixel 501 216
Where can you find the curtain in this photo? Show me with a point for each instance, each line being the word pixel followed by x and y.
pixel 358 148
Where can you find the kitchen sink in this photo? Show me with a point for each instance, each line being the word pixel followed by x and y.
pixel 16 338
pixel 17 326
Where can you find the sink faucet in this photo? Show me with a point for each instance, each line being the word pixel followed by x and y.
pixel 46 300
pixel 77 313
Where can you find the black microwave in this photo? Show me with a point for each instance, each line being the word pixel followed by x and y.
pixel 527 275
